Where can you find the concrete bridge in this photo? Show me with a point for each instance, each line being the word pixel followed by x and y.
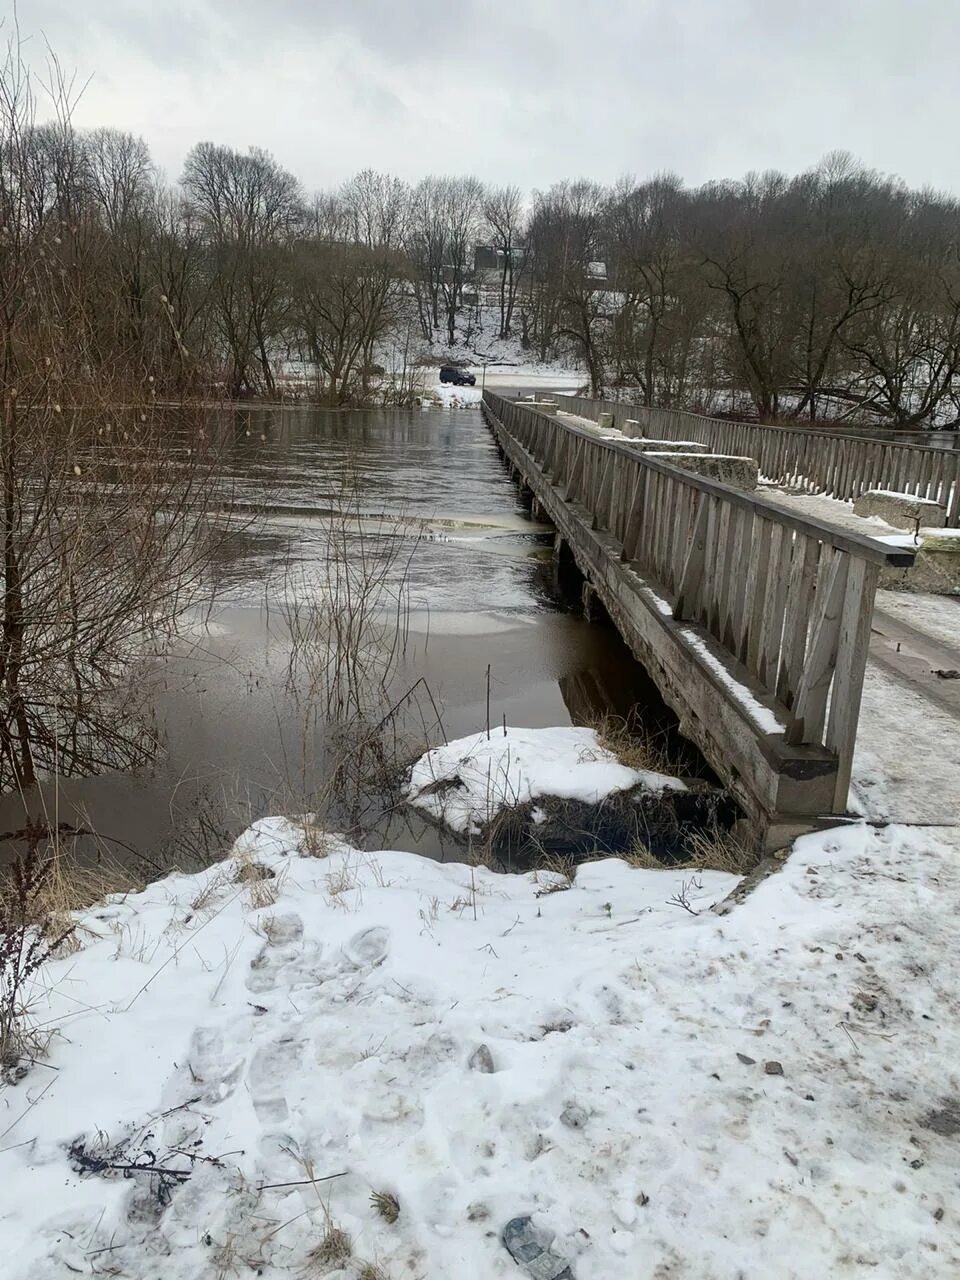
pixel 753 621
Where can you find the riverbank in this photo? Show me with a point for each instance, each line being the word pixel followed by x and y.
pixel 308 1051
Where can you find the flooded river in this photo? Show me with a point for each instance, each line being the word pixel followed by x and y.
pixel 420 505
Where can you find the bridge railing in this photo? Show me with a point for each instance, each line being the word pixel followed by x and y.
pixel 789 598
pixel 829 462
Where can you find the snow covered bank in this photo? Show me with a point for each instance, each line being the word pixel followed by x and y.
pixel 467 783
pixel 443 395
pixel 669 1092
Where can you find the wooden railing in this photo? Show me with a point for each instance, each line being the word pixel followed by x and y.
pixel 788 598
pixel 829 462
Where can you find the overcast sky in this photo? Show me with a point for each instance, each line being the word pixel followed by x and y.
pixel 524 91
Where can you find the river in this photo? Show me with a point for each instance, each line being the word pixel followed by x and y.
pixel 419 505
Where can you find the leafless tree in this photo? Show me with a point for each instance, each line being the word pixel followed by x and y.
pixel 346 298
pixel 503 210
pixel 102 516
pixel 462 199
pixel 250 208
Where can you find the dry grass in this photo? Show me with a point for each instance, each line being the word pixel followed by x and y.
pixel 67 886
pixel 634 747
pixel 314 841
pixel 334 1249
pixel 264 893
pixel 72 886
pixel 341 881
pixel 712 850
pixel 641 859
pixel 562 866
pixel 263 883
pixel 387 1205
pixel 249 871
pixel 718 850
pixel 206 896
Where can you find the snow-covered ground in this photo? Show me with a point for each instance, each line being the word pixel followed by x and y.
pixel 906 766
pixel 530 375
pixel 507 364
pixel 668 1091
pixel 466 783
pixel 443 395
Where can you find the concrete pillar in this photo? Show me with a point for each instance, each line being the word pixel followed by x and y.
pixel 633 429
pixel 594 609
pixel 605 421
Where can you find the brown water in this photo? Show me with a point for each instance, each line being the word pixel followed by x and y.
pixel 240 736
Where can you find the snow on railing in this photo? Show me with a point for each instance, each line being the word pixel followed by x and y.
pixel 831 462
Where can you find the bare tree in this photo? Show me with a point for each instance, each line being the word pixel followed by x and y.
pixel 250 208
pixel 346 299
pixel 462 199
pixel 504 212
pixel 102 521
pixel 426 248
pixel 377 207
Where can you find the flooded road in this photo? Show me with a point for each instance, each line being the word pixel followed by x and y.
pixel 415 509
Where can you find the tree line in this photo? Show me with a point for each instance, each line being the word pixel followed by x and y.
pixel 829 295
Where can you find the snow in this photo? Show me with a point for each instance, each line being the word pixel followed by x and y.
pixel 445 395
pixel 662 606
pixel 937 616
pixel 905 540
pixel 507 363
pixel 329 1035
pixel 906 763
pixel 554 376
pixel 898 493
pixel 466 783
pixel 668 445
pixel 762 716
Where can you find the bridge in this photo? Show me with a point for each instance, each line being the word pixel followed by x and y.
pixel 831 462
pixel 753 621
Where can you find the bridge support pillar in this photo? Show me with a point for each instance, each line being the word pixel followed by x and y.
pixel 594 610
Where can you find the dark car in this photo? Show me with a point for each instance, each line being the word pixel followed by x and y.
pixel 459 377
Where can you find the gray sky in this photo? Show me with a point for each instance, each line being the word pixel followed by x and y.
pixel 524 91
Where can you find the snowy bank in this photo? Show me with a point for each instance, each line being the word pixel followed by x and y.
pixel 444 395
pixel 468 783
pixel 668 1092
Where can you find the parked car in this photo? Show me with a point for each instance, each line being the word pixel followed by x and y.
pixel 459 377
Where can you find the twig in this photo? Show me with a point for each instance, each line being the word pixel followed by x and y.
pixel 28 1107
pixel 302 1182
pixel 488 701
